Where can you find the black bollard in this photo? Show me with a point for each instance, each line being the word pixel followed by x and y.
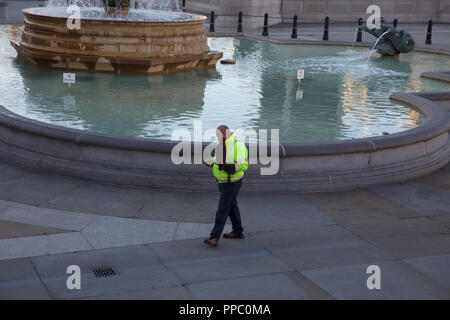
pixel 325 30
pixel 294 28
pixel 239 29
pixel 212 28
pixel 395 23
pixel 429 32
pixel 359 33
pixel 266 25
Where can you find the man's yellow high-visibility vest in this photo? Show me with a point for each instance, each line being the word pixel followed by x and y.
pixel 237 154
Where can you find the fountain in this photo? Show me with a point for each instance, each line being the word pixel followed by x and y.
pixel 121 128
pixel 391 41
pixel 376 43
pixel 115 38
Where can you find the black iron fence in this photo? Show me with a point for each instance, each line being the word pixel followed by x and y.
pixel 212 17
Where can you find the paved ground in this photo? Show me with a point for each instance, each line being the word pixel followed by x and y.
pixel 298 246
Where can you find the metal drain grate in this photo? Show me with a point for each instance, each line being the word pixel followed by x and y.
pixel 101 272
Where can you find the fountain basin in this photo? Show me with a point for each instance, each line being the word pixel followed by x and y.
pixel 304 167
pixel 116 45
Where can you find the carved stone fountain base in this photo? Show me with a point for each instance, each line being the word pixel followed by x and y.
pixel 121 46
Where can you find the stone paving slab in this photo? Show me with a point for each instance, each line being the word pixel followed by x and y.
pixel 307 237
pixel 358 206
pixel 99 231
pixel 436 267
pixel 415 246
pixel 37 188
pixel 9 230
pixel 398 281
pixel 132 279
pixel 174 252
pixel 406 238
pixel 101 199
pixel 106 232
pixel 187 230
pixel 42 245
pixel 139 269
pixel 343 253
pixel 264 287
pixel 328 231
pixel 9 172
pixel 166 293
pixel 312 290
pixel 198 207
pixel 24 291
pixel 398 228
pixel 230 266
pixel 443 219
pixel 257 214
pixel 281 212
pixel 17 269
pixel 309 248
pixel 421 198
pixel 19 280
pixel 45 217
pixel 440 179
pixel 121 258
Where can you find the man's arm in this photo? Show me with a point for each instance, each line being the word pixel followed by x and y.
pixel 241 157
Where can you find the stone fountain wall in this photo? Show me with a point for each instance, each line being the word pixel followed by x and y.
pixel 304 167
pixel 121 46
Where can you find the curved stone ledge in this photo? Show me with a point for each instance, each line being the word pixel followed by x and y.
pixel 304 167
pixel 441 76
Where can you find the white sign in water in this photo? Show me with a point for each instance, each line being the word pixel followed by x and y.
pixel 300 74
pixel 299 95
pixel 68 77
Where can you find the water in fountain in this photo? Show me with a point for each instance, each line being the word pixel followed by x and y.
pixel 375 45
pixel 141 10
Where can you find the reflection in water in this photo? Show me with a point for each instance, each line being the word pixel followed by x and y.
pixel 354 104
pixel 343 95
pixel 117 104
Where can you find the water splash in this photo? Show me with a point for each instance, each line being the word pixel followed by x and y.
pixel 375 45
pixel 165 5
pixel 355 37
pixel 140 10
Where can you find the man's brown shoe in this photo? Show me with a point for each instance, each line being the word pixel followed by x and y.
pixel 233 235
pixel 211 242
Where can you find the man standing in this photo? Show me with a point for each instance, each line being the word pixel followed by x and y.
pixel 229 165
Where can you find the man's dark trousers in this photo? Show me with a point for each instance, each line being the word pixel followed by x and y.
pixel 228 208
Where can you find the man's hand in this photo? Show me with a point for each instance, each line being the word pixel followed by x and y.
pixel 229 168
